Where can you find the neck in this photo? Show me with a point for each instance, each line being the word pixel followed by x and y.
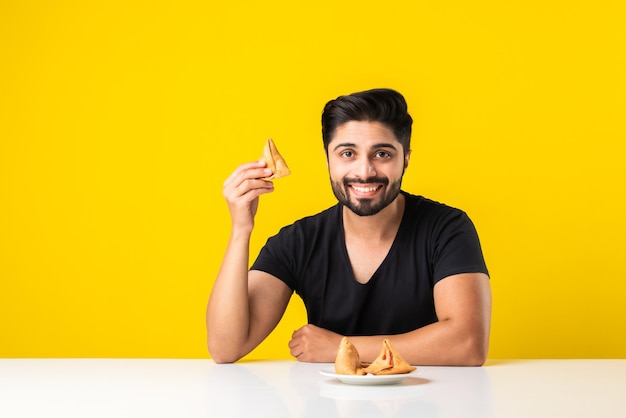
pixel 376 227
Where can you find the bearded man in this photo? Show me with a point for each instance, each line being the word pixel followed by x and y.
pixel 381 263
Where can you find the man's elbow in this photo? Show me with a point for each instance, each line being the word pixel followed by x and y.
pixel 475 352
pixel 222 360
pixel 475 359
pixel 220 355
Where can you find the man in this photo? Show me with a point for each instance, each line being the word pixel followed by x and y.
pixel 381 263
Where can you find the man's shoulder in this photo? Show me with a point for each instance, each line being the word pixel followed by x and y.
pixel 324 215
pixel 315 221
pixel 425 205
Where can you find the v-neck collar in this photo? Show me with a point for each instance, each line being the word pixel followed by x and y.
pixel 392 248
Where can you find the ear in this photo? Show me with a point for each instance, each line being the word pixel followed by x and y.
pixel 407 157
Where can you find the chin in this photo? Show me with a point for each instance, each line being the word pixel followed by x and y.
pixel 365 207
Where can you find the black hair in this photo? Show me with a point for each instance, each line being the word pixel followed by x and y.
pixel 383 105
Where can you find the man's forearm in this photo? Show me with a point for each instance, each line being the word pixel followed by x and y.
pixel 442 343
pixel 228 312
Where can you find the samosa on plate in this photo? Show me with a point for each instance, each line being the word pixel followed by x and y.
pixel 389 362
pixel 348 360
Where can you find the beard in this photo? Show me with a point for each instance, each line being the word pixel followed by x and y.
pixel 366 206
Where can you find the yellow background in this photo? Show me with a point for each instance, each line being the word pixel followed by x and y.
pixel 119 121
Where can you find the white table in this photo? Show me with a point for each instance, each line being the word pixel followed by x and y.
pixel 201 388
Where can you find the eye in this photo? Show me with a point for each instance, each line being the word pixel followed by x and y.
pixel 382 155
pixel 347 154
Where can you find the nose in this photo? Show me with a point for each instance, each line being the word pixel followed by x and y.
pixel 365 168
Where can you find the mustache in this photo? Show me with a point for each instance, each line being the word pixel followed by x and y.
pixel 381 180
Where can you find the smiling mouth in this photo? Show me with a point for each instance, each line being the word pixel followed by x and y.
pixel 365 189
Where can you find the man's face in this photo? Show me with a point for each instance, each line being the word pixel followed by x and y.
pixel 366 163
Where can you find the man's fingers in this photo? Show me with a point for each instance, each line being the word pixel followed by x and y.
pixel 253 170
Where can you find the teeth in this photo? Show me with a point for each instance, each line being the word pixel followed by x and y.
pixel 361 189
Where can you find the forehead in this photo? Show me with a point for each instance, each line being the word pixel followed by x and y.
pixel 362 133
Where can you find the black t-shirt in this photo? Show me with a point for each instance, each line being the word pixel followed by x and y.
pixel 434 241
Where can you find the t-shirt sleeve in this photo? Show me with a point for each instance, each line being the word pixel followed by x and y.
pixel 275 259
pixel 456 247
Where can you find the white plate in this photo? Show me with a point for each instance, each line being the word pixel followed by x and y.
pixel 368 379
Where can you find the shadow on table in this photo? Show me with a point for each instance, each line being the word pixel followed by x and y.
pixel 444 392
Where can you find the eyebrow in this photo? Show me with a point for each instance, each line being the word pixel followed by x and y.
pixel 376 146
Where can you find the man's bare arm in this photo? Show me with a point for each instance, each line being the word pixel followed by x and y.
pixel 459 338
pixel 244 306
pixel 240 317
